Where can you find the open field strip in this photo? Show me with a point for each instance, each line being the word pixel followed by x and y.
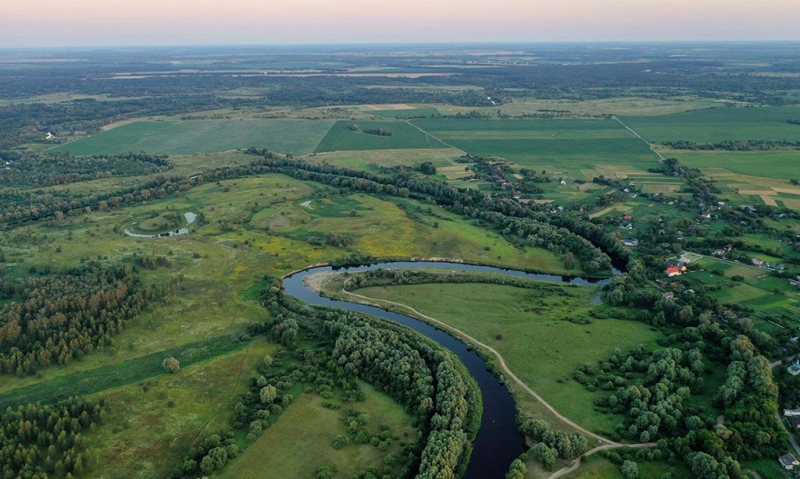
pixel 203 136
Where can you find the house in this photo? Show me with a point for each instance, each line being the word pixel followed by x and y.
pixel 794 369
pixel 669 295
pixel 563 182
pixel 673 271
pixel 630 242
pixel 758 262
pixel 795 422
pixel 788 461
pixel 791 412
pixel 719 252
pixel 627 218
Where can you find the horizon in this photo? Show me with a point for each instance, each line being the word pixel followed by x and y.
pixel 141 23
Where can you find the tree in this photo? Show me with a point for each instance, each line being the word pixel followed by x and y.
pixel 171 365
pixel 629 470
pixel 268 394
pixel 340 441
pixel 427 168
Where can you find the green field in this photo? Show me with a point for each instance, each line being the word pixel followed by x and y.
pixel 596 467
pixel 310 428
pixel 341 138
pixel 534 143
pixel 412 113
pixel 300 137
pixel 719 124
pixel 770 164
pixel 537 344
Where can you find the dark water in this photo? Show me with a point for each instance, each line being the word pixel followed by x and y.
pixel 498 442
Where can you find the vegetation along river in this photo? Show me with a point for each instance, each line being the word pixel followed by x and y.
pixel 499 441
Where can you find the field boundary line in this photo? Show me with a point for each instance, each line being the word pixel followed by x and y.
pixel 649 145
pixel 431 136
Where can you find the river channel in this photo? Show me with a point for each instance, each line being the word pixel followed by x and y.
pixel 499 441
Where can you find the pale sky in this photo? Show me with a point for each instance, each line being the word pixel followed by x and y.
pixel 24 23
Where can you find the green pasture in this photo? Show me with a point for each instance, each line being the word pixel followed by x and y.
pixel 300 442
pixel 719 124
pixel 404 136
pixel 531 334
pixel 596 467
pixel 300 137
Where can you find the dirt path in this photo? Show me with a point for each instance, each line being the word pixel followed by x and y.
pixel 649 145
pixel 577 462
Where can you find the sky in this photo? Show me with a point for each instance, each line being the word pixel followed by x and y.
pixel 24 23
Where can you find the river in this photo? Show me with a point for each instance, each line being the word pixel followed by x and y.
pixel 499 441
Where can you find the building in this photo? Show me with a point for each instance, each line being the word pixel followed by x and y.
pixel 788 461
pixel 669 295
pixel 758 261
pixel 673 271
pixel 791 412
pixel 794 368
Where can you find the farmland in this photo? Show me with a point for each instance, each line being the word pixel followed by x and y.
pixel 403 136
pixel 203 136
pixel 719 124
pixel 544 143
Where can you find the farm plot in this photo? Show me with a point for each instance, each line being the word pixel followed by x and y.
pixel 719 124
pixel 544 143
pixel 300 137
pixel 341 138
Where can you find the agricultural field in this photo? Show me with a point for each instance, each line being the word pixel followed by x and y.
pixel 765 164
pixel 404 136
pixel 532 334
pixel 299 137
pixel 719 124
pixel 544 144
pixel 405 112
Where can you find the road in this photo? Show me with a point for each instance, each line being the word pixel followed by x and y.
pixel 778 414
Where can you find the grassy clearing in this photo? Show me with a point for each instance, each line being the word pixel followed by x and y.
pixel 202 136
pixel 309 427
pixel 151 425
pixel 719 124
pixel 768 469
pixel 341 138
pixel 530 333
pixel 596 467
pixel 536 143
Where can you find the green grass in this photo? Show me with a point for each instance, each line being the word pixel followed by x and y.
pixel 596 467
pixel 770 164
pixel 536 343
pixel 534 143
pixel 341 138
pixel 150 426
pixel 719 124
pixel 412 113
pixel 767 469
pixel 118 374
pixel 300 137
pixel 300 442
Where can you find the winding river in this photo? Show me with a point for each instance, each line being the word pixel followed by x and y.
pixel 499 441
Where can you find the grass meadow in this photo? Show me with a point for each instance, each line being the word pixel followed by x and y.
pixel 178 137
pixel 531 334
pixel 309 427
